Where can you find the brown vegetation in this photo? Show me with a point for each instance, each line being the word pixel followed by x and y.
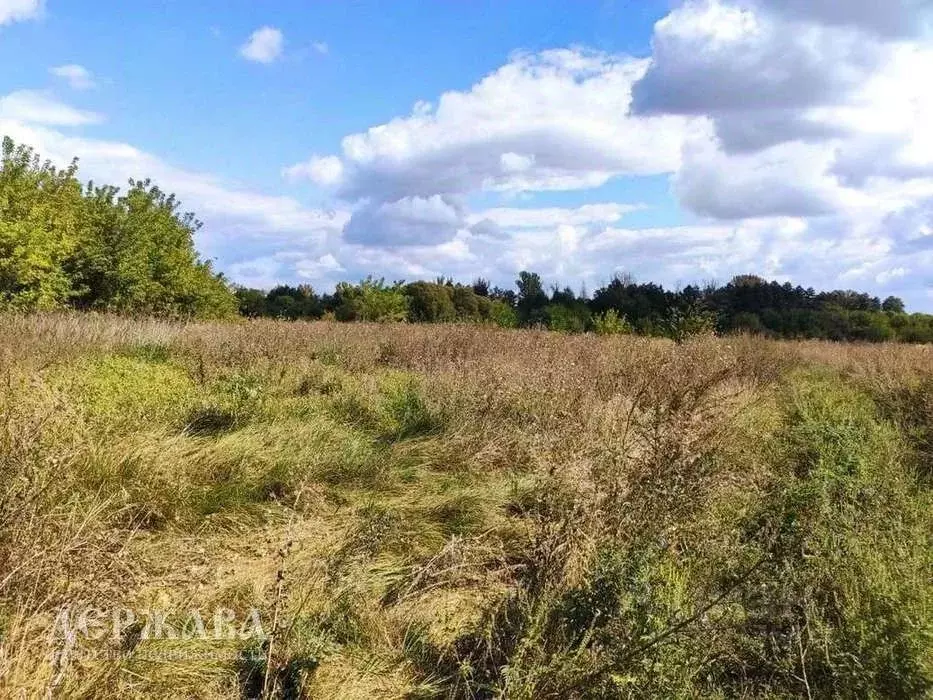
pixel 462 511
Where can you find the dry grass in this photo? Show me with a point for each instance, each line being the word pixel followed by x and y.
pixel 437 511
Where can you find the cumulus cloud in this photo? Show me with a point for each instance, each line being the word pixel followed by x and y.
pixel 265 45
pixel 911 229
pixel 18 10
pixel 784 180
pixel 887 276
pixel 809 102
pixel 587 214
pixel 322 170
pixel 41 107
pixel 709 57
pixel 267 271
pixel 892 19
pixel 406 221
pixel 78 77
pixel 812 110
pixel 556 120
pixel 795 131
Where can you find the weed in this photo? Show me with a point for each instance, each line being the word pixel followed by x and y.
pixel 469 511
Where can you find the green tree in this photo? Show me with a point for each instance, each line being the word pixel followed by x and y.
pixel 61 245
pixel 293 302
pixel 567 319
pixel 371 300
pixel 251 302
pixel 466 302
pixel 893 305
pixel 39 221
pixel 502 315
pixel 682 324
pixel 531 298
pixel 430 303
pixel 136 253
pixel 746 322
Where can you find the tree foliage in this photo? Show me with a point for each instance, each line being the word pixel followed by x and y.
pixel 371 300
pixel 610 323
pixel 97 248
pixel 747 304
pixel 40 218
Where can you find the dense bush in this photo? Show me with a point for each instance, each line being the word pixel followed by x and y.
pixel 95 248
pixel 371 300
pixel 610 323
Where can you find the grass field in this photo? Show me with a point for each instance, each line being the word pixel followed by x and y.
pixel 457 511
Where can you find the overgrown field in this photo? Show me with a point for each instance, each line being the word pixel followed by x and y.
pixel 463 512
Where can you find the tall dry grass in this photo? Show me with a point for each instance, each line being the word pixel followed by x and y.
pixel 459 511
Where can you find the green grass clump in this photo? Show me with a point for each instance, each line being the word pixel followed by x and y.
pixel 151 352
pixel 404 411
pixel 843 603
pixel 824 592
pixel 119 394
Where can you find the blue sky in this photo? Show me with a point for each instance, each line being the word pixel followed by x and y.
pixel 679 141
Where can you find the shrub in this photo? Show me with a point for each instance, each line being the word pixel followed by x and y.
pixel 566 319
pixel 502 315
pixel 99 249
pixel 841 606
pixel 430 303
pixel 682 324
pixel 371 300
pixel 610 323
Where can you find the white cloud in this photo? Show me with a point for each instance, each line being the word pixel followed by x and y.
pixel 18 10
pixel 887 276
pixel 892 18
pixel 321 47
pixel 515 162
pixel 41 107
pixel 265 45
pixel 313 268
pixel 813 110
pixel 709 57
pixel 268 271
pixel 796 131
pixel 550 121
pixel 795 134
pixel 78 77
pixel 406 221
pixel 588 214
pixel 788 179
pixel 322 170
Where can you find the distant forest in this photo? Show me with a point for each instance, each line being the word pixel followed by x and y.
pixel 747 304
pixel 64 244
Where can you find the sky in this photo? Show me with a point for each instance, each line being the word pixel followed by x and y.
pixel 677 141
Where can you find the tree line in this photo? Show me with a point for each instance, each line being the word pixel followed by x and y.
pixel 64 244
pixel 747 304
